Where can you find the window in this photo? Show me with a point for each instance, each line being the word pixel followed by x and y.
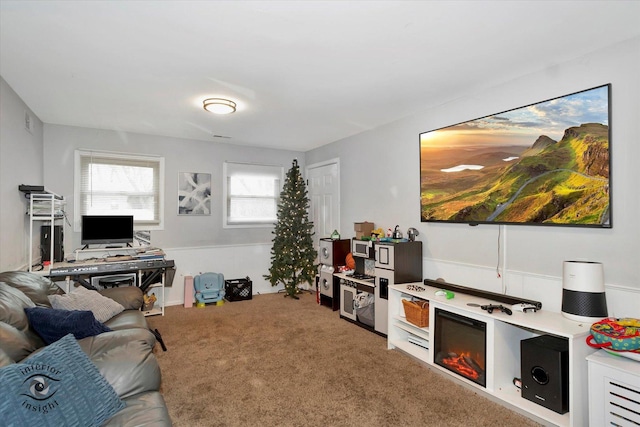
pixel 119 184
pixel 251 194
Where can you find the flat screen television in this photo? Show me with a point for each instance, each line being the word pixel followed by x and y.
pixel 547 163
pixel 107 229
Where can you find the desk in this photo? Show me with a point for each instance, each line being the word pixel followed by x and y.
pixel 151 274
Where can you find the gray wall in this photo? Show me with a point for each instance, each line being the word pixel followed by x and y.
pixel 380 175
pixel 181 155
pixel 21 158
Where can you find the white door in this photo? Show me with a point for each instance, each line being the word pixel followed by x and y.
pixel 323 184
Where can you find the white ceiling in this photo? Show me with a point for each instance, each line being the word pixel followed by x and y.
pixel 304 73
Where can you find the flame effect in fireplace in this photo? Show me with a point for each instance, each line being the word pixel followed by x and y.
pixel 463 364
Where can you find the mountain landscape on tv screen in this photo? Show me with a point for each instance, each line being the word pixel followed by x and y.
pixel 548 182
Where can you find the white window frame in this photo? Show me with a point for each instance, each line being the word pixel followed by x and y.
pixel 79 154
pixel 228 168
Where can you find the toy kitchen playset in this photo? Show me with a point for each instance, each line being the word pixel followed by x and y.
pixel 380 261
pixel 331 255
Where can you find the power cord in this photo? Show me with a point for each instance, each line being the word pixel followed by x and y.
pixel 498 264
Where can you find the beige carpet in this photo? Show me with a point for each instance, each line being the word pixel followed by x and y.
pixel 275 361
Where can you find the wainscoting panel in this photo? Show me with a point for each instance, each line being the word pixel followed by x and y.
pixel 622 301
pixel 473 276
pixel 234 261
pixel 239 261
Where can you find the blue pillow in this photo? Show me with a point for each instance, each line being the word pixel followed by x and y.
pixel 52 324
pixel 57 386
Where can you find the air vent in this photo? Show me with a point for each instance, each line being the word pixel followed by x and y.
pixel 623 404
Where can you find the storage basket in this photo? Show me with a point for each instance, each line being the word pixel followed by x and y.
pixel 238 289
pixel 148 302
pixel 147 306
pixel 416 312
pixel 616 334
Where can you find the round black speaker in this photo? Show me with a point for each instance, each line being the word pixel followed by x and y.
pixel 544 366
pixel 539 375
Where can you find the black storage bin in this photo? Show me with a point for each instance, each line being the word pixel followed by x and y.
pixel 238 289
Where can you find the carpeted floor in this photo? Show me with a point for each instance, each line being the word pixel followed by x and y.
pixel 275 361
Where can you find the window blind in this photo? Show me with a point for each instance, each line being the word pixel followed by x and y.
pixel 120 184
pixel 251 193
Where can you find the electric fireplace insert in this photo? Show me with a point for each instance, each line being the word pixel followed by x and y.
pixel 461 345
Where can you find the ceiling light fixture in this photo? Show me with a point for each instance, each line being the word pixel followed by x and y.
pixel 219 105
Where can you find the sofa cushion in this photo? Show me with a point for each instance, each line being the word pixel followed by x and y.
pixel 16 344
pixel 52 324
pixel 143 409
pixel 127 319
pixel 34 286
pixel 125 359
pixel 103 308
pixel 56 386
pixel 129 296
pixel 12 304
pixel 5 359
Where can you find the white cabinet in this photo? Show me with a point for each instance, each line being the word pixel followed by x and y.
pixel 614 390
pixel 407 336
pixel 503 335
pixel 46 209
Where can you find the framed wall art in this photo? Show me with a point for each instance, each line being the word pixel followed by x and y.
pixel 194 193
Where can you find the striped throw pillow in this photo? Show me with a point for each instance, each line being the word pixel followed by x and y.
pixel 103 308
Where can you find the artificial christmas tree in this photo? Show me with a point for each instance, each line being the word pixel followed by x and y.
pixel 293 255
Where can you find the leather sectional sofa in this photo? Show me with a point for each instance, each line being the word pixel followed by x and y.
pixel 123 355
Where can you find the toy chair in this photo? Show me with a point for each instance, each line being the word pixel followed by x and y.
pixel 209 287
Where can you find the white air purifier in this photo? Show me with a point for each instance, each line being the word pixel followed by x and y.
pixel 583 296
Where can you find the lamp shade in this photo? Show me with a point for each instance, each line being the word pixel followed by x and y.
pixel 583 294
